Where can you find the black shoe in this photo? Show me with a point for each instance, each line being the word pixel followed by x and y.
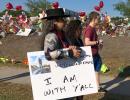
pixel 102 90
pixel 79 98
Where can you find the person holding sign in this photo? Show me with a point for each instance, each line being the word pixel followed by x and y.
pixel 73 35
pixel 91 39
pixel 55 38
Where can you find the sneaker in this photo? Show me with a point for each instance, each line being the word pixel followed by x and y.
pixel 102 90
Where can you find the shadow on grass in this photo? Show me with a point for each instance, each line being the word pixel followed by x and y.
pixel 121 77
pixel 15 76
pixel 122 90
pixel 111 96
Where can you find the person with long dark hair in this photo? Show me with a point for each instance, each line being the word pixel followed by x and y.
pixel 55 39
pixel 73 35
pixel 74 32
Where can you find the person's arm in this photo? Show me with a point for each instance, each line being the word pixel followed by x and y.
pixel 90 43
pixel 51 50
pixel 87 36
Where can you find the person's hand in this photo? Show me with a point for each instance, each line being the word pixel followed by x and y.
pixel 72 47
pixel 100 43
pixel 76 53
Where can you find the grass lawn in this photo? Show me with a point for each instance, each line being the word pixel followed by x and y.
pixel 10 91
pixel 115 54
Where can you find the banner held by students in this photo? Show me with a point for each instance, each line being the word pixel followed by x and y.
pixel 52 80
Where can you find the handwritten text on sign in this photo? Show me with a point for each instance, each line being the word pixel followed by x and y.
pixel 52 80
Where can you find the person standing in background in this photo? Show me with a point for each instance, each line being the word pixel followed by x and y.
pixel 73 36
pixel 91 39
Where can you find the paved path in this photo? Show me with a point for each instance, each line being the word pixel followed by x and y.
pixel 116 85
pixel 15 75
pixel 21 76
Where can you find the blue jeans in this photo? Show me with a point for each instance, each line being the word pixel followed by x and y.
pixel 97 62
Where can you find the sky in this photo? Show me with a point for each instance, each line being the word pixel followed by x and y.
pixel 76 5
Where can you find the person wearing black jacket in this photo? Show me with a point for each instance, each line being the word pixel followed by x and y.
pixel 74 32
pixel 73 36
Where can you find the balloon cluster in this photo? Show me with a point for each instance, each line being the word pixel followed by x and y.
pixel 9 6
pixel 55 5
pixel 100 6
pixel 18 8
pixel 82 14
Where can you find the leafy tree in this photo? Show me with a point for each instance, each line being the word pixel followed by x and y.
pixel 36 6
pixel 123 7
pixel 117 20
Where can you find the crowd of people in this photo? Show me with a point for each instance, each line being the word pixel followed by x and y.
pixel 57 38
pixel 60 33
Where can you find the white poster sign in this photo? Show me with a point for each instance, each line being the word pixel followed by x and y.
pixel 52 80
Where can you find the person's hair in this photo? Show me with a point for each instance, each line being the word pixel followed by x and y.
pixel 49 27
pixel 93 15
pixel 71 28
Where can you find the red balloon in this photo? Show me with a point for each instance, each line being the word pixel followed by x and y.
pixel 9 6
pixel 81 14
pixel 18 8
pixel 55 5
pixel 101 4
pixel 97 8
